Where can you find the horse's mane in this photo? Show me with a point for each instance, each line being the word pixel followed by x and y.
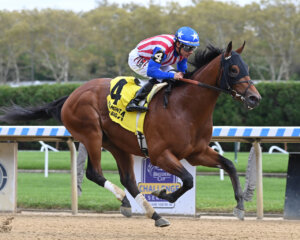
pixel 203 57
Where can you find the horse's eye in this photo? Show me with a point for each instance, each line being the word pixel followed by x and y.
pixel 234 71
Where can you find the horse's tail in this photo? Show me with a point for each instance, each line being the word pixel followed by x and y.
pixel 17 113
pixel 250 182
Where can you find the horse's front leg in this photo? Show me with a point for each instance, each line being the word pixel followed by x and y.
pixel 125 165
pixel 168 162
pixel 211 158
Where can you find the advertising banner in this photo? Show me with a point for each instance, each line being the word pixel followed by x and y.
pixel 8 177
pixel 151 178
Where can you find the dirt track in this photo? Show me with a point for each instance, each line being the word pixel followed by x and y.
pixel 63 226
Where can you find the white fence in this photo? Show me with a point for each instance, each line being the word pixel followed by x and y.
pixel 41 133
pixel 254 135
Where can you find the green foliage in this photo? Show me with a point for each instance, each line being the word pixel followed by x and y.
pixel 278 107
pixel 34 96
pixel 63 45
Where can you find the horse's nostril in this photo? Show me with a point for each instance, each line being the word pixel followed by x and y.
pixel 254 99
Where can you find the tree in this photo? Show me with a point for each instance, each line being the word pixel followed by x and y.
pixel 62 45
pixel 59 37
pixel 217 22
pixel 12 31
pixel 276 28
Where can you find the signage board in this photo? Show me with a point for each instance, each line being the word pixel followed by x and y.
pixel 8 177
pixel 150 178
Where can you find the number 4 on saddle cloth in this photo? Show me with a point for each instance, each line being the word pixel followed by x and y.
pixel 122 90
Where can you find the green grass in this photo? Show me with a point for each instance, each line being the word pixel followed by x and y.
pixel 61 160
pixel 54 192
pixel 57 160
pixel 219 196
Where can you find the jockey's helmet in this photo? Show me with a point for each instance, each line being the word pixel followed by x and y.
pixel 187 36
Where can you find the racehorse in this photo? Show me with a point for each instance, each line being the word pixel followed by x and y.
pixel 182 130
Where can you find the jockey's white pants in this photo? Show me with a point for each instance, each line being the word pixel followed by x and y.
pixel 140 65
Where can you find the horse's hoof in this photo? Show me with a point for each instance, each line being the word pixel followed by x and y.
pixel 158 193
pixel 126 211
pixel 240 214
pixel 162 222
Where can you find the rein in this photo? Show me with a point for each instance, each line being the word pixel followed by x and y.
pixel 234 94
pixel 206 85
pixel 227 89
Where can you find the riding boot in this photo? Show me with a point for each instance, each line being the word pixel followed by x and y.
pixel 141 94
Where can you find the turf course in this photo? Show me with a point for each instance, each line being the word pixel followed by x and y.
pixel 61 161
pixel 54 192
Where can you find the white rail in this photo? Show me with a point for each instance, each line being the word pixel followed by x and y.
pixel 46 147
pixel 49 134
pixel 254 135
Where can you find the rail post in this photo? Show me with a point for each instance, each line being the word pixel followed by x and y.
pixel 259 180
pixel 73 176
pixel 8 177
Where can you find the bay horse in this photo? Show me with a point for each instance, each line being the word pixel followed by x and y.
pixel 183 130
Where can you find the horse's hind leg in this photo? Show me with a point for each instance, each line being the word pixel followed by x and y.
pixel 98 178
pixel 211 158
pixel 94 171
pixel 229 167
pixel 125 165
pixel 93 146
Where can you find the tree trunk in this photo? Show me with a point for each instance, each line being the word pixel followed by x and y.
pixel 17 71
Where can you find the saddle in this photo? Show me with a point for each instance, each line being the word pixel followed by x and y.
pixel 122 90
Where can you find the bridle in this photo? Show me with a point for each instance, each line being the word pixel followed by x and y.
pixel 225 81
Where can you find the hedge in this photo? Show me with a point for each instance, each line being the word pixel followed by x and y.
pixel 279 106
pixel 34 96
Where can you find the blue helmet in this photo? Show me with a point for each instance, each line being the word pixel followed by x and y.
pixel 187 36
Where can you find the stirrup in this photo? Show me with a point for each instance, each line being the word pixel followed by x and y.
pixel 133 107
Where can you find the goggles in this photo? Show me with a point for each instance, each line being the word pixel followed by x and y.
pixel 188 48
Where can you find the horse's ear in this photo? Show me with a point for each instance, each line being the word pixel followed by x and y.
pixel 228 50
pixel 239 50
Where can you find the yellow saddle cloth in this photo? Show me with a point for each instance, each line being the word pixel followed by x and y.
pixel 122 90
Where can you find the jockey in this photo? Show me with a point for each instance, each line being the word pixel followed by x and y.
pixel 153 57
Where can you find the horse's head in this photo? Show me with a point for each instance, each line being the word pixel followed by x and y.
pixel 235 77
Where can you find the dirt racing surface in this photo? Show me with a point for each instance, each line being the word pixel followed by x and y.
pixel 63 226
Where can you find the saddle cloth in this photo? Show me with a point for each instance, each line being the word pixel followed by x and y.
pixel 122 90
